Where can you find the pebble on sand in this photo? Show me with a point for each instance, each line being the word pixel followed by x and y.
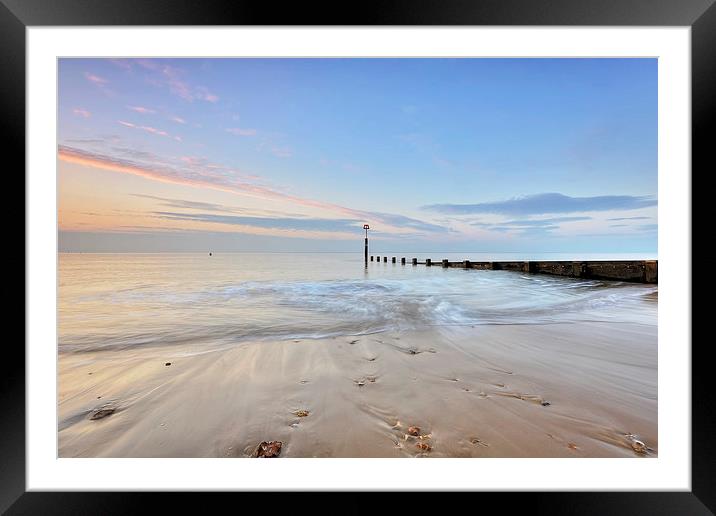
pixel 101 412
pixel 636 444
pixel 268 449
pixel 301 413
pixel 168 364
pixel 414 430
pixel 424 446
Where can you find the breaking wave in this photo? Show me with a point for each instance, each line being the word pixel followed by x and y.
pixel 225 313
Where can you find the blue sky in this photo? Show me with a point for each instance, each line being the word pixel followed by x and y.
pixel 528 155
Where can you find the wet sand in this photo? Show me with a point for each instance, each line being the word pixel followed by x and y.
pixel 552 390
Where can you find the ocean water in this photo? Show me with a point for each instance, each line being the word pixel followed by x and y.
pixel 119 301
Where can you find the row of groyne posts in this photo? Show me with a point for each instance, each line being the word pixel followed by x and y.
pixel 639 271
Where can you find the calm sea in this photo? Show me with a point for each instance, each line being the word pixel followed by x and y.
pixel 117 301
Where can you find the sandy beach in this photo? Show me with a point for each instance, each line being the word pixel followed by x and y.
pixel 543 390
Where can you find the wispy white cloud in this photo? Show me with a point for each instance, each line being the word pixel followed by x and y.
pixel 532 222
pixel 526 226
pixel 284 223
pixel 629 218
pixel 177 119
pixel 238 131
pixel 281 152
pixel 171 202
pixel 146 128
pixel 548 203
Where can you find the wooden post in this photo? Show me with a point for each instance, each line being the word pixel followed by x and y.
pixel 428 262
pixel 402 261
pixel 385 259
pixel 577 269
pixel 366 227
pixel 371 258
pixel 467 264
pixel 651 271
pixel 393 259
pixel 415 261
pixel 445 263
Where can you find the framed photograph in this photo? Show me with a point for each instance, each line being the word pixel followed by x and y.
pixel 440 247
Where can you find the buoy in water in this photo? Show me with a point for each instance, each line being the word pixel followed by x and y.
pixel 209 254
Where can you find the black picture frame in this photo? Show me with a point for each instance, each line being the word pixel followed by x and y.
pixel 17 15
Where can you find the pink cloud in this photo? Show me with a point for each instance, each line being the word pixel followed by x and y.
pixel 204 94
pixel 180 88
pixel 238 131
pixel 82 112
pixel 194 174
pixel 178 120
pixel 95 79
pixel 153 130
pixel 147 63
pixel 172 77
pixel 122 63
pixel 192 160
pixel 141 109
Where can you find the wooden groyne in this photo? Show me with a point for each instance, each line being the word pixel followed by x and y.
pixel 638 271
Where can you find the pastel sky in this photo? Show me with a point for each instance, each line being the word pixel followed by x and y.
pixel 527 155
